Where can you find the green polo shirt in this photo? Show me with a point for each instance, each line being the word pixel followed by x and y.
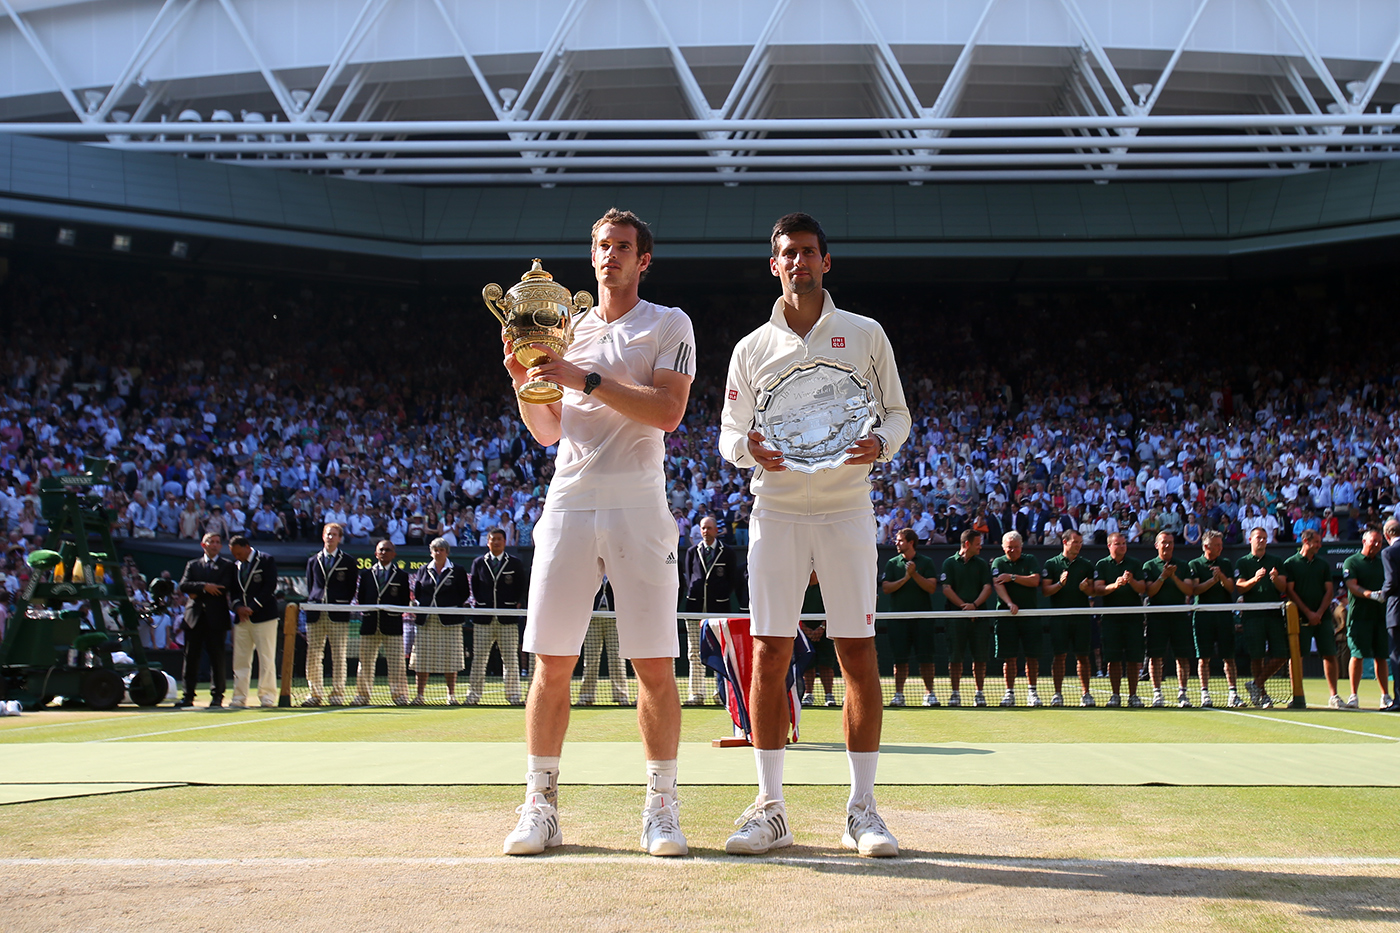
pixel 1369 575
pixel 1109 570
pixel 965 577
pixel 1025 597
pixel 1309 579
pixel 1264 591
pixel 1168 595
pixel 1069 596
pixel 1200 571
pixel 910 597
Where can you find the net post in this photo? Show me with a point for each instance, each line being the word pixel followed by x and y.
pixel 1295 655
pixel 289 652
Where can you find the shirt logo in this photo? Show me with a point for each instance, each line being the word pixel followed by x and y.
pixel 733 394
pixel 838 343
pixel 870 618
pixel 671 559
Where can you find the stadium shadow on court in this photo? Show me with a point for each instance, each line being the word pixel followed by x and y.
pixel 1343 896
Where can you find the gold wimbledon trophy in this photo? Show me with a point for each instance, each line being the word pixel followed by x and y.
pixel 536 310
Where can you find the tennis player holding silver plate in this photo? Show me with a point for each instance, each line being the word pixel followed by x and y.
pixel 813 411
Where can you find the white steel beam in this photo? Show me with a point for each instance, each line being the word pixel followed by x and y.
pixel 352 90
pixel 470 59
pixel 1175 57
pixel 950 95
pixel 839 177
pixel 549 58
pixel 150 43
pixel 364 22
pixel 1087 33
pixel 274 83
pixel 756 57
pixel 46 61
pixel 1284 12
pixel 690 88
pixel 1374 81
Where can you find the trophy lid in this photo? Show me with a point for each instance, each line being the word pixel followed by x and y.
pixel 539 285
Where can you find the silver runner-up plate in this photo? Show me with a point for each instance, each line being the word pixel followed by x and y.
pixel 812 411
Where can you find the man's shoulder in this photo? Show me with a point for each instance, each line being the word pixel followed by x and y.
pixel 648 315
pixel 868 325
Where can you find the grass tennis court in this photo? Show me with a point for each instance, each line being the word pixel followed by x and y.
pixel 218 819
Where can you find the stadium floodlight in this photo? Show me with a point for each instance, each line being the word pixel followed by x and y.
pixel 121 242
pixel 67 236
pixel 7 230
pixel 179 250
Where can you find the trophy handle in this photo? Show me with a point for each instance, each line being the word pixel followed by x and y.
pixel 491 294
pixel 583 302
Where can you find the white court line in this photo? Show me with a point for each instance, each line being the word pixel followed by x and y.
pixel 1310 725
pixel 220 725
pixel 948 861
pixel 75 722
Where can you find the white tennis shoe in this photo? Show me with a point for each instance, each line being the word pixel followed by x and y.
pixel 866 832
pixel 762 827
pixel 661 827
pixel 538 828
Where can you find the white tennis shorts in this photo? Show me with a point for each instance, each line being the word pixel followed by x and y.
pixel 785 549
pixel 636 548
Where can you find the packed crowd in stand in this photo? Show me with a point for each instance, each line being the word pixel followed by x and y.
pixel 240 406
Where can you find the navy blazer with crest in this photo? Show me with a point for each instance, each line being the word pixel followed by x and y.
pixel 336 584
pixel 394 591
pixel 255 586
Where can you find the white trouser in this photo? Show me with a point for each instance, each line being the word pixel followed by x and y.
pixel 506 635
pixel 693 629
pixel 602 632
pixel 392 646
pixel 317 633
pixel 262 638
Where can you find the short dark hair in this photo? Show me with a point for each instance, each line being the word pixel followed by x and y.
pixel 645 241
pixel 969 535
pixel 496 531
pixel 797 222
pixel 239 541
pixel 1067 534
pixel 907 533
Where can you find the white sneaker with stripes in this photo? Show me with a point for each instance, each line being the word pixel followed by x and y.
pixel 866 832
pixel 762 827
pixel 661 826
pixel 538 828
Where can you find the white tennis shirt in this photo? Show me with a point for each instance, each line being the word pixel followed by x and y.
pixel 606 460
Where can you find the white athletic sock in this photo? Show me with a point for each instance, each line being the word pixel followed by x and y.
pixel 862 775
pixel 661 777
pixel 770 772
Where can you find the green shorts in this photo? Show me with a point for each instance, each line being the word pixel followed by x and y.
pixel 1171 631
pixel 1368 639
pixel 911 634
pixel 1017 637
pixel 1323 634
pixel 1214 633
pixel 1122 639
pixel 1265 635
pixel 970 634
pixel 1071 635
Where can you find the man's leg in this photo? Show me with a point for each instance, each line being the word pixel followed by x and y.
pixel 659 721
pixel 546 722
pixel 507 637
pixel 340 645
pixel 316 633
pixel 218 665
pixel 369 657
pixel 243 663
pixel 863 715
pixel 194 648
pixel 697 666
pixel 398 671
pixel 265 642
pixel 481 653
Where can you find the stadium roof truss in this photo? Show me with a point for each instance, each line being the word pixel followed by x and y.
pixel 548 92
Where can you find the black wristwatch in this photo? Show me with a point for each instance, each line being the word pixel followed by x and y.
pixel 591 382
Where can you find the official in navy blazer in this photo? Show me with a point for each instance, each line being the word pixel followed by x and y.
pixel 438 647
pixel 255 618
pixel 1390 592
pixel 206 581
pixel 499 581
pixel 331 577
pixel 387 584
